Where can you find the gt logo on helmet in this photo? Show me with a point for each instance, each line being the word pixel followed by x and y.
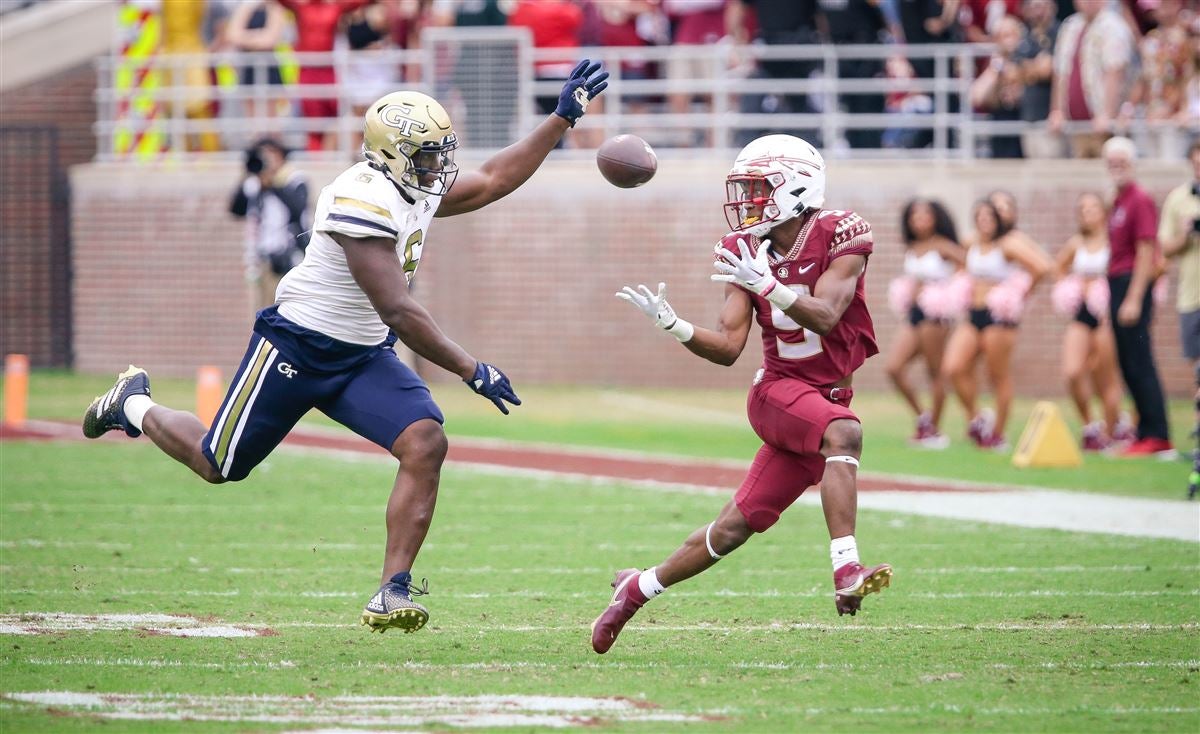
pixel 398 116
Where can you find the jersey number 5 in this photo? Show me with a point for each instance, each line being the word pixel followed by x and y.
pixel 794 341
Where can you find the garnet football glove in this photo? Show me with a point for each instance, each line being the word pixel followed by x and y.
pixel 581 88
pixel 493 385
pixel 656 308
pixel 752 272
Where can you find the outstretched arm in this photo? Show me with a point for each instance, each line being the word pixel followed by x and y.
pixel 722 346
pixel 501 174
pixel 378 271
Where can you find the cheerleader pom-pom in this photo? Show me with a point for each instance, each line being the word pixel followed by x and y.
pixel 1097 298
pixel 946 300
pixel 1067 295
pixel 900 295
pixel 1006 300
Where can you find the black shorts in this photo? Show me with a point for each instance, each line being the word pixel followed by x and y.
pixel 1085 317
pixel 916 315
pixel 981 318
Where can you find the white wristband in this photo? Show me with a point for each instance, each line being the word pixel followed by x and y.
pixel 782 296
pixel 681 330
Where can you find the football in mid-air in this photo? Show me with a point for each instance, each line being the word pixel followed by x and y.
pixel 626 161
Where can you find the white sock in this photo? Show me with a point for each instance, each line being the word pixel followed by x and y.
pixel 648 583
pixel 843 551
pixel 136 407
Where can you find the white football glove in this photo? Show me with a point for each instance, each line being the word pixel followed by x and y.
pixel 752 272
pixel 656 308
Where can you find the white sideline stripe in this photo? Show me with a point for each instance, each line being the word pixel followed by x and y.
pixel 360 711
pixel 212 445
pixel 35 623
pixel 493 666
pixel 1060 510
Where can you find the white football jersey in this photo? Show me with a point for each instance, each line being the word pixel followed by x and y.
pixel 320 293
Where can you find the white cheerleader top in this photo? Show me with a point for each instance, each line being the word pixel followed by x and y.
pixel 928 267
pixel 990 265
pixel 1090 264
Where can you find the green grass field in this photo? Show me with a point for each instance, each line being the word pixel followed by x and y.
pixel 986 627
pixel 710 424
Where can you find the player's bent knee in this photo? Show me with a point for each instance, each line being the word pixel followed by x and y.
pixel 842 437
pixel 423 442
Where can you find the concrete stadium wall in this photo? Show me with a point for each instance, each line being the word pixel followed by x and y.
pixel 528 283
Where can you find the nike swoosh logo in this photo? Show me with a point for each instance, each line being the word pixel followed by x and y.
pixel 806 268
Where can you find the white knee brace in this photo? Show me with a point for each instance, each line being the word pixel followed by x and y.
pixel 708 542
pixel 843 459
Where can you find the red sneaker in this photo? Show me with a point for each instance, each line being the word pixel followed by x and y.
pixel 993 442
pixel 852 582
pixel 981 426
pixel 1159 448
pixel 626 600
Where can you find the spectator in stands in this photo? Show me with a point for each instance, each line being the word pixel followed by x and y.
pixel 1035 58
pixel 273 199
pixel 694 23
pixel 1088 350
pixel 1168 65
pixel 859 22
pixel 1000 89
pixel 316 29
pixel 1132 270
pixel 182 36
pixel 1179 235
pixel 780 22
pixel 407 19
pixel 903 99
pixel 554 24
pixel 928 21
pixel 980 18
pixel 368 77
pixel 631 24
pixel 1093 56
pixel 257 26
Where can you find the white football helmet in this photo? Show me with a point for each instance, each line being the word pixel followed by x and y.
pixel 408 136
pixel 775 178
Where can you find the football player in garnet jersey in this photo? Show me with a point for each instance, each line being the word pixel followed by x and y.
pixel 327 341
pixel 797 269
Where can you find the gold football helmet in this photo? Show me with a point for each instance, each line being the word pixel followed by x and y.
pixel 408 136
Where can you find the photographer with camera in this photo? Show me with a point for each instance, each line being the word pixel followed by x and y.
pixel 1179 235
pixel 273 199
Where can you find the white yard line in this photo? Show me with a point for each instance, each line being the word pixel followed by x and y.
pixel 36 623
pixel 361 711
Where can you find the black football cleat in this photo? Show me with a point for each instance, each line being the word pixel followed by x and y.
pixel 392 607
pixel 106 413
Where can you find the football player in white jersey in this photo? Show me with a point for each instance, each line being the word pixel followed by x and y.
pixel 327 341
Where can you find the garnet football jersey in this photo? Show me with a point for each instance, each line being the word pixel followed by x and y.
pixel 789 350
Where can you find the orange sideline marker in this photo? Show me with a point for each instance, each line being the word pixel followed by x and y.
pixel 16 389
pixel 209 392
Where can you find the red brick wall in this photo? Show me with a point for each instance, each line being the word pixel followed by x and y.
pixel 528 283
pixel 44 127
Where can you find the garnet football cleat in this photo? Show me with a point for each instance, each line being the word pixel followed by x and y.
pixel 626 600
pixel 1158 448
pixel 392 607
pixel 852 582
pixel 106 413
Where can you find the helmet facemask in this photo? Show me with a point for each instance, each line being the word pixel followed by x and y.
pixel 750 204
pixel 425 170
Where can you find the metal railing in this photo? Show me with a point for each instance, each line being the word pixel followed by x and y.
pixel 486 78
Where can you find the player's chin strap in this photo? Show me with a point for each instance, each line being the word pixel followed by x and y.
pixel 708 542
pixel 842 459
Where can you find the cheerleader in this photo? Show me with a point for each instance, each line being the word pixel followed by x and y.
pixel 1003 266
pixel 932 255
pixel 1089 349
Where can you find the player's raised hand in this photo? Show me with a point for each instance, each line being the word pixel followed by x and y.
pixel 752 272
pixel 493 384
pixel 655 307
pixel 581 88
